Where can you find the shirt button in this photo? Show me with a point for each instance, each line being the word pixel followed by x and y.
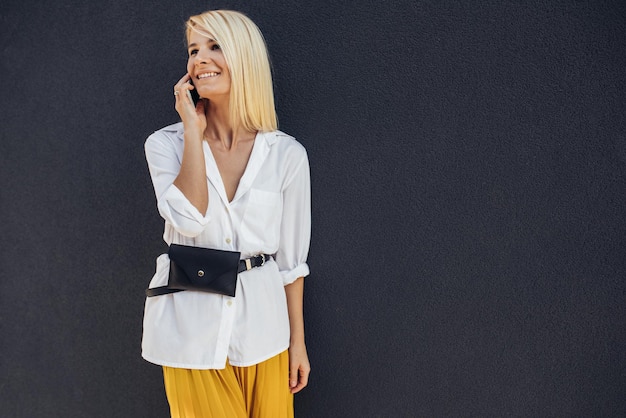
pixel 228 240
pixel 229 303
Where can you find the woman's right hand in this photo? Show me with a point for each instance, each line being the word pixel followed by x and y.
pixel 191 179
pixel 193 117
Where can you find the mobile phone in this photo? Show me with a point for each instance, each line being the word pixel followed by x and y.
pixel 193 95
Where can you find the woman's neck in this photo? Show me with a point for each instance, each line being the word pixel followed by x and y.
pixel 219 128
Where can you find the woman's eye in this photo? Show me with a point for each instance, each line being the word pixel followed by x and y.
pixel 193 52
pixel 215 47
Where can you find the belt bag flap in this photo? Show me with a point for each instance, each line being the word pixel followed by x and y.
pixel 204 269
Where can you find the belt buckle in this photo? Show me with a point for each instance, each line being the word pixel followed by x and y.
pixel 262 259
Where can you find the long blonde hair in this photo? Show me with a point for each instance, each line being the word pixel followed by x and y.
pixel 245 52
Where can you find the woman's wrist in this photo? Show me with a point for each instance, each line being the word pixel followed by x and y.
pixel 193 135
pixel 296 340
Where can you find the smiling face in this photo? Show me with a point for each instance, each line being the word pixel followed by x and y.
pixel 207 67
pixel 235 70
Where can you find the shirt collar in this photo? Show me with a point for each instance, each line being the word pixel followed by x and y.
pixel 269 137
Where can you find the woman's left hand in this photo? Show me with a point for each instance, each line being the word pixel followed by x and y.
pixel 299 367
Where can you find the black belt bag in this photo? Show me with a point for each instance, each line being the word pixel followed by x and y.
pixel 205 270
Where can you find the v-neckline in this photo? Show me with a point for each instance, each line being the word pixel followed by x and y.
pixel 257 155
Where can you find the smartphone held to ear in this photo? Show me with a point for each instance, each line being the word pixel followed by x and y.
pixel 193 95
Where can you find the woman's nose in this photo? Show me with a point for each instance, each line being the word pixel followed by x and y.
pixel 203 56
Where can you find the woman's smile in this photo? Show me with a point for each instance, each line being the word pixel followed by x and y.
pixel 207 75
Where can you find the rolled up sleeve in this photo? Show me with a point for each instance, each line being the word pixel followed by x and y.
pixel 295 233
pixel 164 166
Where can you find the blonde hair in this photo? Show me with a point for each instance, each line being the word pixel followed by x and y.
pixel 245 52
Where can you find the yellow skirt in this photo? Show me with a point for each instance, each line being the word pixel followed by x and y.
pixel 259 391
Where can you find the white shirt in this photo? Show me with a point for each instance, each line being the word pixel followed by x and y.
pixel 270 213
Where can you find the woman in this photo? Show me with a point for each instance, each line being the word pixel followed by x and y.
pixel 226 178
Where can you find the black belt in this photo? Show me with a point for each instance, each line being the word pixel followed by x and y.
pixel 244 265
pixel 252 262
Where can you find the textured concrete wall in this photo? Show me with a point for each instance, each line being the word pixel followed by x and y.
pixel 469 183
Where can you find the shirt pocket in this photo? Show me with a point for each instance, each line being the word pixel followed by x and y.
pixel 261 221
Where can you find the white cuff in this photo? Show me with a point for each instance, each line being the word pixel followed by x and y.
pixel 184 217
pixel 290 276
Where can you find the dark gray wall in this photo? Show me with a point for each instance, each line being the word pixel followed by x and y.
pixel 469 182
